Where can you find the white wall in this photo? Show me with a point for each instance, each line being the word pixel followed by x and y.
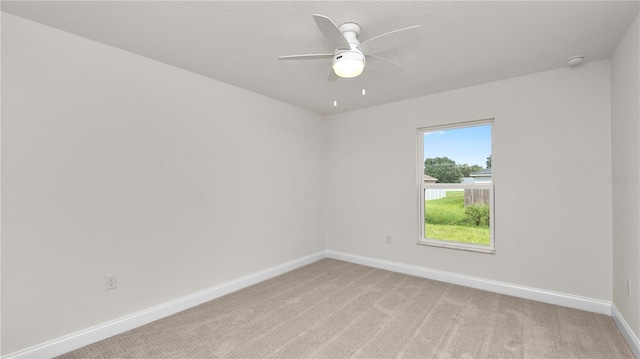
pixel 114 163
pixel 625 133
pixel 553 234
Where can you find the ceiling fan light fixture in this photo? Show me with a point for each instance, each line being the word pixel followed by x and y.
pixel 348 63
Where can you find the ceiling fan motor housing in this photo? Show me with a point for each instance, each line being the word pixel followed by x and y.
pixel 349 62
pixel 351 30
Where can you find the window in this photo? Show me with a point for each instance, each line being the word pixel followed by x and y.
pixel 456 182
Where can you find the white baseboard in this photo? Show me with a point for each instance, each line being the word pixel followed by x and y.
pixel 626 331
pixel 563 299
pixel 105 330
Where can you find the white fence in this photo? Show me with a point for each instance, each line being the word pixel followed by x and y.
pixel 437 193
pixel 434 193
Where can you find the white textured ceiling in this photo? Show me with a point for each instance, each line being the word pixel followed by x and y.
pixel 238 42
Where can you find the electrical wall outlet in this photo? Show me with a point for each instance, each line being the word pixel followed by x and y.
pixel 110 281
pixel 388 239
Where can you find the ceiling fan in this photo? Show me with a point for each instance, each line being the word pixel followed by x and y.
pixel 349 57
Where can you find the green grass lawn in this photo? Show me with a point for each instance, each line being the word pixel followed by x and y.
pixel 476 235
pixel 445 219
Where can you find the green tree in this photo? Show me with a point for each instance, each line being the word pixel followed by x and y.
pixel 466 170
pixel 489 161
pixel 443 168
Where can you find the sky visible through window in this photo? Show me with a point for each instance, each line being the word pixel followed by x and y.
pixel 469 145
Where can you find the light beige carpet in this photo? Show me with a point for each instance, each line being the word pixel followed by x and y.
pixel 334 309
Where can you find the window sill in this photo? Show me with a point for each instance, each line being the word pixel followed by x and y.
pixel 458 246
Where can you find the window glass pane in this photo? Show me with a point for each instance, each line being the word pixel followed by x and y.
pixel 458 215
pixel 458 155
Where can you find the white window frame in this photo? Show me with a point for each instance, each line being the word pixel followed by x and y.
pixel 422 187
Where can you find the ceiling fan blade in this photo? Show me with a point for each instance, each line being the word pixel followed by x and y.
pixel 332 75
pixel 305 57
pixel 331 32
pixel 391 40
pixel 397 65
